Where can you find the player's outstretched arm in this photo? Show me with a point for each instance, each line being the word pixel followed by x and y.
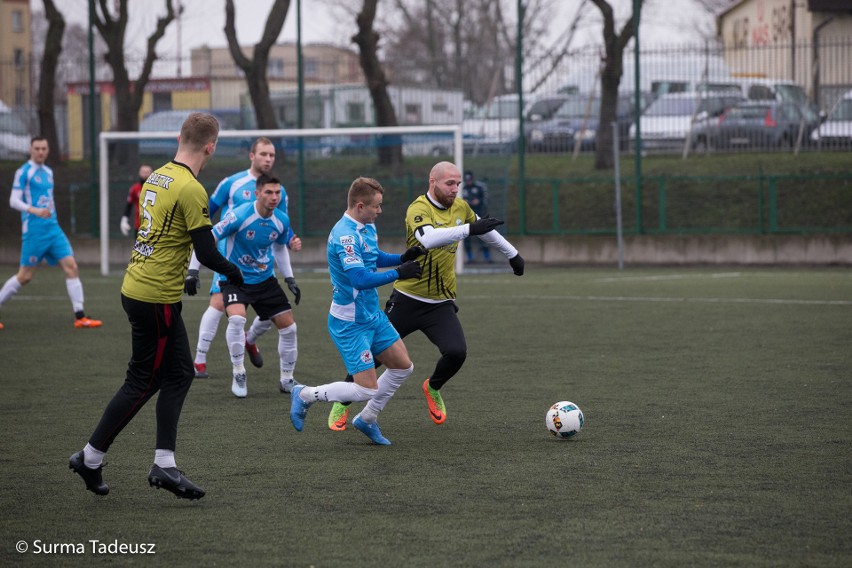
pixel 484 225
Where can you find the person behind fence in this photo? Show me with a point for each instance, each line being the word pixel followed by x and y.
pixel 175 221
pixel 41 236
pixel 437 220
pixel 357 325
pixel 132 205
pixel 476 195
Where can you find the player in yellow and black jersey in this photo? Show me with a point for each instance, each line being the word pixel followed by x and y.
pixel 174 219
pixel 438 221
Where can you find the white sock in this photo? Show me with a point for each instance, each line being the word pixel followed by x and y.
pixel 288 350
pixel 258 327
pixel 389 382
pixel 236 337
pixel 75 292
pixel 9 289
pixel 164 458
pixel 337 392
pixel 206 332
pixel 92 458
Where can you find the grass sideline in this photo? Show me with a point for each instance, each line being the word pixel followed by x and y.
pixel 718 432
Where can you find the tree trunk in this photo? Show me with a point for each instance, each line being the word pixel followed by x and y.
pixel 47 80
pixel 367 39
pixel 128 97
pixel 255 68
pixel 610 80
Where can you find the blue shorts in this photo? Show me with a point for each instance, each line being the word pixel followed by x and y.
pixel 358 342
pixel 51 246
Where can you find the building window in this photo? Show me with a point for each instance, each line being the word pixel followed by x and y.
pixel 311 68
pixel 162 101
pixel 17 21
pixel 19 97
pixel 440 108
pixel 355 113
pixel 275 68
pixel 19 58
pixel 412 114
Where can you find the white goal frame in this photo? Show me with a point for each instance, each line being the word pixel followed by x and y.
pixel 106 137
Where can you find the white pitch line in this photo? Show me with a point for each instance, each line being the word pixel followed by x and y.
pixel 668 277
pixel 776 301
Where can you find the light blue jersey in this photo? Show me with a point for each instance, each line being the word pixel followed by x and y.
pixel 35 182
pixel 237 189
pixel 352 245
pixel 232 192
pixel 249 238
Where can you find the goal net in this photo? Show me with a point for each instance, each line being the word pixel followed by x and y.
pixel 316 167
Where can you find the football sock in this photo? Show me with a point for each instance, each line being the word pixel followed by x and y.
pixel 92 458
pixel 164 458
pixel 206 332
pixel 337 392
pixel 257 328
pixel 288 350
pixel 9 289
pixel 389 382
pixel 236 337
pixel 75 292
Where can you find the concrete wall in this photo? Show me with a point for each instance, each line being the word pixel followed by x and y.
pixel 767 250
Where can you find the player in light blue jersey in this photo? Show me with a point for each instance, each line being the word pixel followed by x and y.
pixel 42 237
pixel 232 192
pixel 253 234
pixel 358 326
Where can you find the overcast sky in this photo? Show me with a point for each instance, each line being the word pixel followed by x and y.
pixel 203 22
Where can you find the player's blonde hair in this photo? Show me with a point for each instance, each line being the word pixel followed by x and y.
pixel 198 130
pixel 259 141
pixel 362 190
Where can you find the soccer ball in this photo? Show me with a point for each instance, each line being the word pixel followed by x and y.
pixel 564 419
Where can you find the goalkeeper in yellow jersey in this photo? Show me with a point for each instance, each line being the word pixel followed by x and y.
pixel 438 221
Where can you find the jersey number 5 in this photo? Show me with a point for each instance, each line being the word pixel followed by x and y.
pixel 146 220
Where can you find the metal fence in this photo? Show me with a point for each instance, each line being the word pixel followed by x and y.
pixel 560 117
pixel 797 100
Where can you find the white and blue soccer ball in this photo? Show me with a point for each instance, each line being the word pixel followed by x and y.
pixel 564 419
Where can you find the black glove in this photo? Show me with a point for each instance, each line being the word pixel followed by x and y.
pixel 483 225
pixel 517 264
pixel 412 253
pixel 410 269
pixel 235 277
pixel 191 282
pixel 297 294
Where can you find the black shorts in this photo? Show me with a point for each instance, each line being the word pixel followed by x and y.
pixel 267 298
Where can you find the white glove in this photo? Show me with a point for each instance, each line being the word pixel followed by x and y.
pixel 125 226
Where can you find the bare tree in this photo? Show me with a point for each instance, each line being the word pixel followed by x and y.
pixel 255 68
pixel 471 44
pixel 613 69
pixel 128 95
pixel 367 40
pixel 47 78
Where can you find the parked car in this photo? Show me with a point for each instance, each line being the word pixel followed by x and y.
pixel 758 124
pixel 14 136
pixel 171 121
pixel 836 131
pixel 495 128
pixel 576 120
pixel 670 119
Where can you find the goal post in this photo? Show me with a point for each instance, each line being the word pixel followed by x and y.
pixel 320 146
